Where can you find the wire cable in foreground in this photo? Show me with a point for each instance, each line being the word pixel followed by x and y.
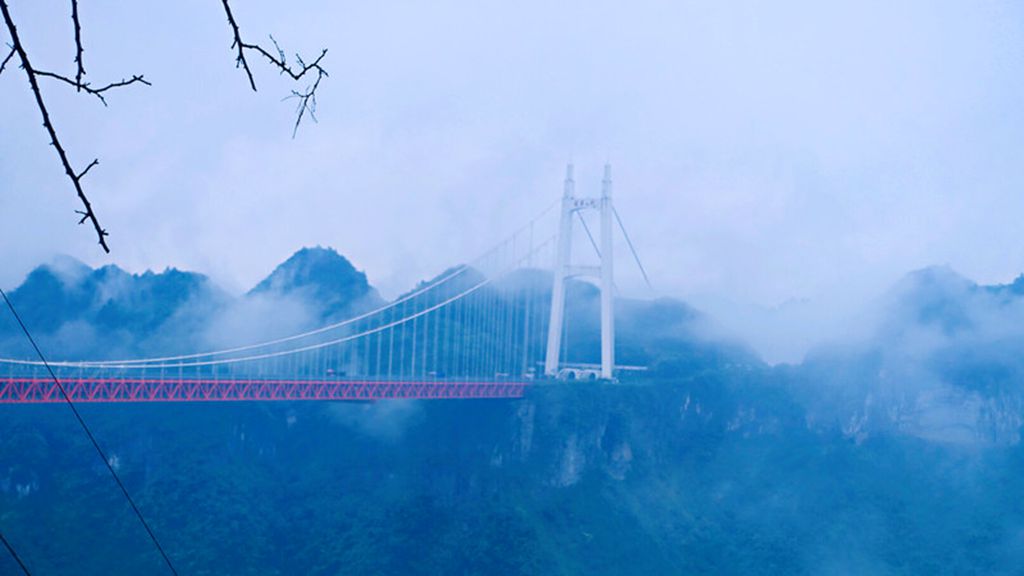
pixel 14 555
pixel 88 432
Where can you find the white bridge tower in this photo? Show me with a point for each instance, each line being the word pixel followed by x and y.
pixel 564 269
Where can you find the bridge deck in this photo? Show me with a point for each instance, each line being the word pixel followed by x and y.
pixel 44 390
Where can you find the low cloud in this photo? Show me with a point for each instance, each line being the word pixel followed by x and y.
pixel 940 361
pixel 386 421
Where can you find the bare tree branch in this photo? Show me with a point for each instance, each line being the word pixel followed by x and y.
pixel 6 60
pixel 298 70
pixel 237 43
pixel 307 103
pixel 280 62
pixel 307 98
pixel 97 92
pixel 78 46
pixel 76 178
pixel 94 162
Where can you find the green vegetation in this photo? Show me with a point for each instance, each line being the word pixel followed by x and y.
pixel 900 455
pixel 577 479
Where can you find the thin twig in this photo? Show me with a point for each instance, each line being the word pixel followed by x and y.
pixel 307 103
pixel 307 98
pixel 285 68
pixel 97 92
pixel 6 60
pixel 88 214
pixel 94 162
pixel 78 45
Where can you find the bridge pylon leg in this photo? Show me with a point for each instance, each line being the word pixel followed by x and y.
pixel 607 279
pixel 563 256
pixel 564 270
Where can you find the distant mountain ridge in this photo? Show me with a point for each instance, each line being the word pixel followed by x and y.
pixel 322 276
pixel 900 449
pixel 108 296
pixel 943 361
pixel 78 311
pixel 84 313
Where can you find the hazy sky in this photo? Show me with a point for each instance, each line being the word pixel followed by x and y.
pixel 762 151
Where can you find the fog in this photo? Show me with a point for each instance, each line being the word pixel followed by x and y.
pixel 826 197
pixel 935 357
pixel 763 154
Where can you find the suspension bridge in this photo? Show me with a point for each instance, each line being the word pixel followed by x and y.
pixel 487 329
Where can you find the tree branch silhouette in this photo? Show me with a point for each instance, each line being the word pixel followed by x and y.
pixel 78 46
pixel 296 71
pixel 88 213
pixel 6 60
pixel 97 92
pixel 307 97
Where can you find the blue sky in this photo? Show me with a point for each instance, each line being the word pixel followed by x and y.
pixel 762 151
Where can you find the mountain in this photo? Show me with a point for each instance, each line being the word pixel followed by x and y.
pixel 77 311
pixel 893 453
pixel 942 363
pixel 325 278
pixel 712 475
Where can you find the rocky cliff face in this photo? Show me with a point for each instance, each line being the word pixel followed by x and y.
pixel 942 364
pixel 899 454
pixel 943 414
pixel 725 473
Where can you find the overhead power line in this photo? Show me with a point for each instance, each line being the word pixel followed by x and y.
pixel 88 432
pixel 10 549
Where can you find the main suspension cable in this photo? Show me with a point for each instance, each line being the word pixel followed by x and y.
pixel 449 276
pixel 319 345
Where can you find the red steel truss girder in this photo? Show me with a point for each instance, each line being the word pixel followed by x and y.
pixel 44 390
